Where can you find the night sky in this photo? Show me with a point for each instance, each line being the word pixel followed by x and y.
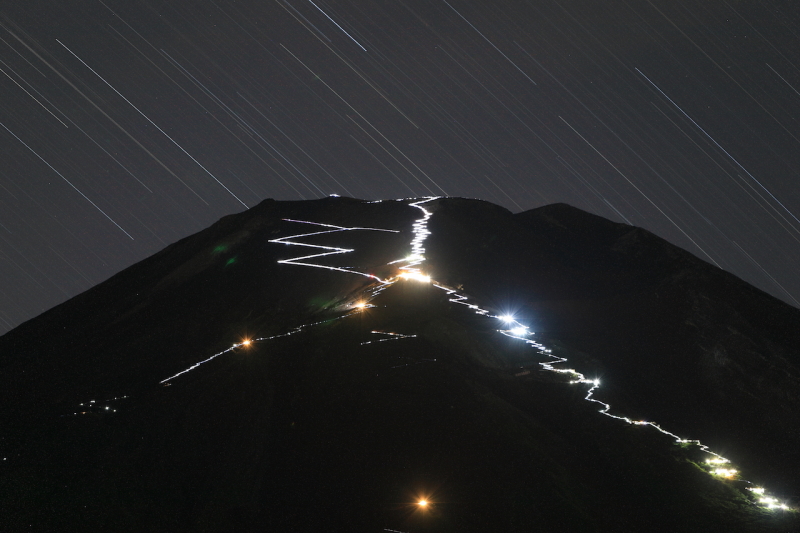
pixel 127 125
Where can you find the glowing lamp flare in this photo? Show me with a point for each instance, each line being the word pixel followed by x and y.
pixel 726 472
pixel 422 503
pixel 416 276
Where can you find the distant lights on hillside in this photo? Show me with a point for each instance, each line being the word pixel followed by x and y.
pixel 728 473
pixel 410 271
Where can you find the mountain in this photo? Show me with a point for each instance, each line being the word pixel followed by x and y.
pixel 325 365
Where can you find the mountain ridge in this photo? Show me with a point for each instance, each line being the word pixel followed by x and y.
pixel 586 296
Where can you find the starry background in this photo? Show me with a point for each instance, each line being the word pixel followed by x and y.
pixel 129 125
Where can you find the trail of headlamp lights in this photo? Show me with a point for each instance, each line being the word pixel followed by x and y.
pixel 391 337
pixel 331 250
pixel 410 270
pixel 520 331
pixel 249 342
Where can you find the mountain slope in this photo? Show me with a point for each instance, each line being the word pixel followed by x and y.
pixel 320 413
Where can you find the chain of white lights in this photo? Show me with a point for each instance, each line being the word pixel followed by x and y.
pixel 411 270
pixel 520 331
pixel 392 337
pixel 249 342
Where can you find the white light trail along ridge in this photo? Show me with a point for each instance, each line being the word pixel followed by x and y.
pixel 411 271
pixel 520 331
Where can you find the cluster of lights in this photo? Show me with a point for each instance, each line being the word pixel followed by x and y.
pixel 92 407
pixel 416 276
pixel 728 473
pixel 391 337
pixel 520 331
pixel 768 501
pixel 411 271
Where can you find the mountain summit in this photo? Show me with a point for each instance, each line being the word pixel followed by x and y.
pixel 431 364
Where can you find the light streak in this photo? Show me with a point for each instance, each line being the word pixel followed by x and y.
pixel 411 270
pixel 724 150
pixel 416 276
pixel 521 332
pixel 331 250
pixel 249 342
pixel 725 472
pixel 490 42
pixel 154 124
pixel 68 182
pixel 391 337
pixel 99 109
pixel 337 25
pixel 29 94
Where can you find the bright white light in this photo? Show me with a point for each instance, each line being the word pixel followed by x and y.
pixel 757 490
pixel 520 331
pixel 507 318
pixel 416 276
pixel 725 472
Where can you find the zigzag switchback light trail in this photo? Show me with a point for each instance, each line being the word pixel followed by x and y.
pixel 331 250
pixel 411 270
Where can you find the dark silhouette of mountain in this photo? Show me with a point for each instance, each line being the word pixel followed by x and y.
pixel 309 412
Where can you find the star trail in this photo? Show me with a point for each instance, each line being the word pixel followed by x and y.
pixel 129 125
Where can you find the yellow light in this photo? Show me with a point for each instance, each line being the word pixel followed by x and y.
pixel 359 305
pixel 416 276
pixel 246 342
pixel 422 503
pixel 725 472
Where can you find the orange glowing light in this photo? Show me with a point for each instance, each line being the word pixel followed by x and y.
pixel 422 503
pixel 416 276
pixel 246 342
